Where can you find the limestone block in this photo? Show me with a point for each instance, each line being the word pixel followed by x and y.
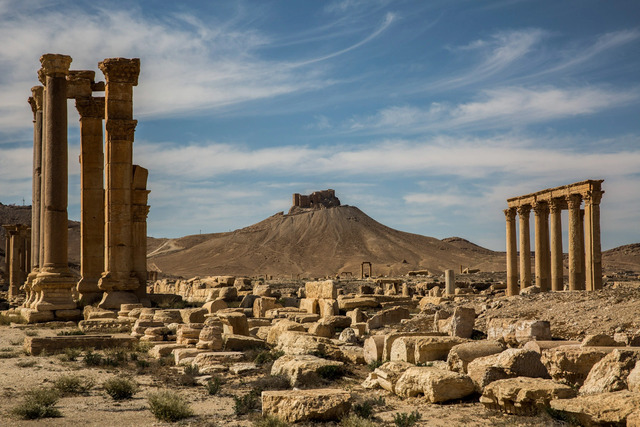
pixel 301 370
pixel 226 280
pixel 428 349
pixel 90 312
pixel 336 321
pixel 523 396
pixel 461 355
pixel 356 315
pixel 262 304
pixel 278 328
pixel 373 348
pixel 327 307
pixel 633 420
pixel 35 345
pixel 70 314
pixel 351 303
pixel 214 306
pixel 460 324
pixel 391 337
pixel 321 330
pixel 310 305
pixel 518 331
pixel 234 323
pixel 571 364
pixel 540 346
pixel 359 328
pixel 351 354
pixel 386 317
pixel 387 374
pixel 161 350
pixel 193 315
pixel 228 293
pixel 234 342
pixel 180 354
pixel 283 312
pixel 217 357
pixel 610 373
pixel 429 301
pixel 599 409
pixel 210 337
pixel 404 350
pixel 242 283
pixel 105 325
pixel 437 385
pixel 321 290
pixel 633 380
pixel 600 340
pixel 349 336
pixel 167 316
pixel 304 317
pixel 510 363
pixel 293 342
pixel 261 290
pixel 306 405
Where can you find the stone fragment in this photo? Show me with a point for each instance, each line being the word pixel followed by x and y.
pixel 168 316
pixel 540 346
pixel 571 364
pixel 610 409
pixel 373 348
pixel 351 354
pixel 310 305
pixel 610 373
pixel 105 325
pixel 228 293
pixel 262 305
pixel 321 330
pixel 460 323
pixel 159 351
pixel 306 405
pixel 261 290
pixel 327 307
pixel 428 349
pixel 321 290
pixel 336 321
pixel 386 317
pixel 517 331
pixel 461 355
pixel 599 340
pixel 387 375
pixel 182 355
pixel 510 363
pixel 350 303
pixel 233 342
pixel 90 312
pixel 281 326
pixel 437 385
pixel 356 315
pixel 214 305
pixel 234 323
pixel 293 342
pixel 633 380
pixel 35 345
pixel 522 395
pixel 348 336
pixel 243 368
pixel 217 357
pixel 633 420
pixel 193 315
pixel 302 370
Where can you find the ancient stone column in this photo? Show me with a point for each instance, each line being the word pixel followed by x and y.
pixel 7 251
pixel 512 254
pixel 581 257
pixel 91 112
pixel 575 244
pixel 139 229
pixel 450 282
pixel 525 247
pixel 119 280
pixel 55 280
pixel 543 276
pixel 593 252
pixel 557 270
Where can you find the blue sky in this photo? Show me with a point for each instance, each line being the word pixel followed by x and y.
pixel 427 115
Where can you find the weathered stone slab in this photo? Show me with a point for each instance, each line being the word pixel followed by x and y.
pixel 217 357
pixel 523 395
pixel 610 373
pixel 518 330
pixel 510 363
pixel 301 370
pixel 611 409
pixel 35 345
pixel 462 354
pixel 350 303
pixel 105 325
pixel 388 316
pixel 571 364
pixel 294 342
pixel 321 290
pixel 540 346
pixel 306 405
pixel 437 385
pixel 279 327
pixel 373 348
pixel 161 350
pixel 233 342
pixel 387 375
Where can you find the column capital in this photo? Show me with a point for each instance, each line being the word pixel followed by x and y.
pixel 121 70
pixel 92 107
pixel 37 93
pixel 510 214
pixel 121 130
pixel 524 210
pixel 556 204
pixel 592 197
pixel 541 207
pixel 574 201
pixel 32 102
pixel 55 65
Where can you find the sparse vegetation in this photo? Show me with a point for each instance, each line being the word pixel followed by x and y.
pixel 246 403
pixel 92 359
pixel 31 333
pixel 27 363
pixel 169 406
pixel 269 421
pixel 356 421
pixel 213 386
pixel 271 382
pixel 8 353
pixel 70 333
pixel 374 365
pixel 70 354
pixel 330 372
pixel 73 384
pixel 268 356
pixel 120 388
pixel 365 409
pixel 402 419
pixel 38 403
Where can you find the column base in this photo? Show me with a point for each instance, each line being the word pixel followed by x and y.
pixel 55 290
pixel 28 288
pixel 88 291
pixel 89 298
pixel 114 299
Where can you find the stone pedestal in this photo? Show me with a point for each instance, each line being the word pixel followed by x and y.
pixel 512 255
pixel 54 280
pixel 525 247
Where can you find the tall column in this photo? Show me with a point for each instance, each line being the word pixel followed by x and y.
pixel 525 247
pixel 450 282
pixel 55 280
pixel 575 244
pixel 139 237
pixel 91 112
pixel 119 280
pixel 593 252
pixel 36 101
pixel 557 270
pixel 512 253
pixel 543 276
pixel 7 251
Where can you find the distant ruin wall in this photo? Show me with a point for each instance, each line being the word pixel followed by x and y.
pixel 316 200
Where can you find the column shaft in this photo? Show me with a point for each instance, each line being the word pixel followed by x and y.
pixel 541 210
pixel 512 253
pixel 575 244
pixel 557 270
pixel 525 247
pixel 593 252
pixel 581 256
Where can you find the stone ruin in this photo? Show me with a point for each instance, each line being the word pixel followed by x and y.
pixel 316 200
pixel 113 213
pixel 585 255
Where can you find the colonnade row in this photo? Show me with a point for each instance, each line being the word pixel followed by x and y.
pixel 585 255
pixel 17 258
pixel 113 190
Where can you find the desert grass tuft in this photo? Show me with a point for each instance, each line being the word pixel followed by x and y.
pixel 38 403
pixel 169 406
pixel 120 388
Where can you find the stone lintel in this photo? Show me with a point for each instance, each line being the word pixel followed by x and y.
pixel 582 188
pixel 55 65
pixel 79 83
pixel 121 70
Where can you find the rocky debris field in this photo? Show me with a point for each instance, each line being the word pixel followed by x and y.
pixel 234 351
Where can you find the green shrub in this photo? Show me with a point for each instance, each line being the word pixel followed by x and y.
pixel 244 404
pixel 72 384
pixel 115 357
pixel 330 372
pixel 213 386
pixel 68 333
pixel 120 388
pixel 4 354
pixel 26 363
pixel 70 354
pixel 169 406
pixel 375 365
pixel 192 369
pixel 268 356
pixel 270 421
pixel 365 409
pixel 38 403
pixel 271 382
pixel 142 364
pixel 92 359
pixel 356 421
pixel 31 333
pixel 402 419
